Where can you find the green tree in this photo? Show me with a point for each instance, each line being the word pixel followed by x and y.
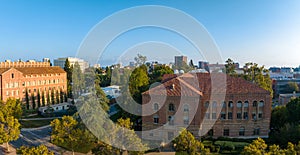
pixel 66 132
pixel 57 97
pixel 39 150
pixel 257 147
pixel 9 128
pixel 102 99
pixel 191 64
pixel 38 98
pixel 48 97
pixel 186 142
pixel 52 97
pixel 43 98
pixel 78 80
pixel 68 69
pixel 12 107
pixel 292 87
pixel 138 82
pixel 158 72
pixel 62 94
pixel 259 75
pixel 27 99
pixel 279 117
pixel 33 101
pixel 230 67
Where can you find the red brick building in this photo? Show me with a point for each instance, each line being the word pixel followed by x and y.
pixel 238 109
pixel 17 77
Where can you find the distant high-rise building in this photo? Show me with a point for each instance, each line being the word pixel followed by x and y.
pixel 203 65
pixel 61 62
pixel 180 60
pixel 46 59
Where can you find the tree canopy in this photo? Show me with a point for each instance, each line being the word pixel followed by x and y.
pixel 39 150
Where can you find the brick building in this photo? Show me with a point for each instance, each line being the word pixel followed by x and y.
pixel 239 109
pixel 17 77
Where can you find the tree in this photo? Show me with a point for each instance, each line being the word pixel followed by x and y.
pixel 62 94
pixel 186 142
pixel 158 72
pixel 102 99
pixel 38 98
pixel 39 150
pixel 68 68
pixel 191 64
pixel 48 97
pixel 52 97
pixel 12 107
pixel 66 132
pixel 258 75
pixel 33 101
pixel 138 82
pixel 257 147
pixel 9 128
pixel 27 99
pixel 292 87
pixel 140 59
pixel 78 80
pixel 43 98
pixel 57 96
pixel 230 67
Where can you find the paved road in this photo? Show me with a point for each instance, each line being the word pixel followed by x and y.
pixel 35 137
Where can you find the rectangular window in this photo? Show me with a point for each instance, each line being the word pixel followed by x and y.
pixel 242 132
pixel 207 115
pixel 246 115
pixel 214 116
pixel 256 131
pixel 223 115
pixel 260 115
pixel 226 132
pixel 170 135
pixel 155 120
pixel 229 115
pixel 254 116
pixel 239 115
pixel 12 75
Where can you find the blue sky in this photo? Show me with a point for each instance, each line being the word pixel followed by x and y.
pixel 266 32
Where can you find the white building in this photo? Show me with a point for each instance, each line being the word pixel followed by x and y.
pixel 55 107
pixel 61 62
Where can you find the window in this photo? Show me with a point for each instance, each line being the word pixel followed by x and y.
pixel 155 119
pixel 171 107
pixel 171 120
pixel 207 115
pixel 12 75
pixel 229 115
pixel 186 120
pixel 261 104
pixel 254 116
pixel 226 132
pixel 256 131
pixel 239 104
pixel 155 106
pixel 246 115
pixel 255 104
pixel 214 116
pixel 230 104
pixel 223 115
pixel 206 104
pixel 224 104
pixel 214 104
pixel 186 108
pixel 260 115
pixel 242 131
pixel 246 104
pixel 239 115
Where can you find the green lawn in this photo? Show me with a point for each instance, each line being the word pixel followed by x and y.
pixel 34 123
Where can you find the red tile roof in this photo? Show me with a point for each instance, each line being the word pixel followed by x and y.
pixel 201 84
pixel 36 70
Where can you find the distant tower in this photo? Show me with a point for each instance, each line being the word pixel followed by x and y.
pixel 179 60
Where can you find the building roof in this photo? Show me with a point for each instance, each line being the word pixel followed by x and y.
pixel 191 84
pixel 36 70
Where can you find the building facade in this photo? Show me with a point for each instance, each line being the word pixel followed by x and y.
pixel 180 60
pixel 61 62
pixel 243 111
pixel 18 77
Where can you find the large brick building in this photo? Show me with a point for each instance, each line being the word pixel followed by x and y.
pixel 238 109
pixel 17 77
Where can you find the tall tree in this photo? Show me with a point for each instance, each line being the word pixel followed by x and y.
pixel 259 75
pixel 52 97
pixel 48 97
pixel 68 69
pixel 292 87
pixel 138 82
pixel 12 107
pixel 27 99
pixel 9 129
pixel 38 98
pixel 230 67
pixel 140 59
pixel 191 64
pixel 57 97
pixel 102 99
pixel 78 80
pixel 61 93
pixel 43 98
pixel 33 101
pixel 158 72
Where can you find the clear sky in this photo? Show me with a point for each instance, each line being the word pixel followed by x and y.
pixel 263 31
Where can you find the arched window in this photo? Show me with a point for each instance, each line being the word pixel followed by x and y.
pixel 230 104
pixel 214 104
pixel 171 107
pixel 171 120
pixel 239 104
pixel 155 119
pixel 155 106
pixel 242 131
pixel 186 108
pixel 206 104
pixel 261 104
pixel 246 104
pixel 254 104
pixel 256 131
pixel 224 104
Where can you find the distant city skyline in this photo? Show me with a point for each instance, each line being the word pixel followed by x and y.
pixel 265 32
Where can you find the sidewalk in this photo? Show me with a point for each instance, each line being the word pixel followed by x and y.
pixel 3 150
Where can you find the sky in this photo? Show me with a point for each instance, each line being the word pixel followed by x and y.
pixel 263 31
